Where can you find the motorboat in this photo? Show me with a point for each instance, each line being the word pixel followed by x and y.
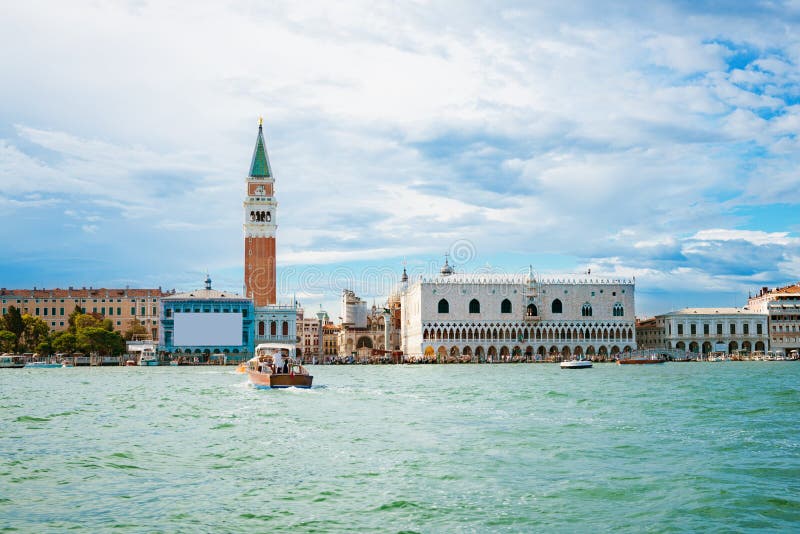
pixel 577 363
pixel 42 365
pixel 275 366
pixel 148 358
pixel 12 361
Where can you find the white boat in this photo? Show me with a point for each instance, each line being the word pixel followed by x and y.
pixel 576 363
pixel 148 357
pixel 42 365
pixel 11 361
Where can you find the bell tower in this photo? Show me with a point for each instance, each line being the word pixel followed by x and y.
pixel 260 211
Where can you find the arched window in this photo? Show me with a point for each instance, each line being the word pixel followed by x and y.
pixel 444 306
pixel 556 307
pixel 532 311
pixel 273 328
pixel 285 328
pixel 586 310
pixel 474 306
pixel 261 328
pixel 505 306
pixel 269 216
pixel 252 216
pixel 619 311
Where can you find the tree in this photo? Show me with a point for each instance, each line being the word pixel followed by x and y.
pixel 65 342
pixel 135 330
pixel 86 320
pixel 78 311
pixel 14 324
pixel 7 340
pixel 95 339
pixel 45 348
pixel 35 331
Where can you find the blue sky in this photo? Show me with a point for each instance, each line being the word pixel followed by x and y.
pixel 657 140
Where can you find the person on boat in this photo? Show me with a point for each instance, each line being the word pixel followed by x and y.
pixel 285 367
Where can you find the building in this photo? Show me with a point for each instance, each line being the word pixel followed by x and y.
pixel 649 335
pixel 121 306
pixel 330 341
pixel 782 307
pixel 310 335
pixel 274 322
pixel 491 317
pixel 206 324
pixel 260 226
pixel 705 330
pixel 364 334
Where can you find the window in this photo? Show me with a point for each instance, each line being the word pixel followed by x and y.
pixel 532 311
pixel 586 310
pixel 618 310
pixel 133 310
pixel 705 329
pixel 261 328
pixel 273 328
pixel 693 329
pixel 143 311
pixel 444 306
pixel 505 306
pixel 719 329
pixel 474 306
pixel 733 329
pixel 285 328
pixel 680 329
pixel 556 306
pixel 168 312
pixel 746 327
pixel 759 329
pixel 45 311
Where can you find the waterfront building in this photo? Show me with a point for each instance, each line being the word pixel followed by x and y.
pixel 274 322
pixel 330 340
pixel 121 306
pixel 649 334
pixel 782 307
pixel 494 317
pixel 705 330
pixel 364 333
pixel 206 324
pixel 310 335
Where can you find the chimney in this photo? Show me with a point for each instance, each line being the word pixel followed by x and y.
pixel 764 290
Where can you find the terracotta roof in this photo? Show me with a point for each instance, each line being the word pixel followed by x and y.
pixel 83 292
pixel 788 289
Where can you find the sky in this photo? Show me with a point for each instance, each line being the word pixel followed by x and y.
pixel 655 140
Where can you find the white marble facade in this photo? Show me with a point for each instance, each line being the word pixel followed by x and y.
pixel 516 317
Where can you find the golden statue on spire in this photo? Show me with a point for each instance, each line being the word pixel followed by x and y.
pixel 260 120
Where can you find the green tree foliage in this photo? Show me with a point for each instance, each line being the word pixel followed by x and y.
pixel 135 330
pixel 14 324
pixel 35 331
pixel 66 342
pixel 95 339
pixel 7 340
pixel 78 311
pixel 45 348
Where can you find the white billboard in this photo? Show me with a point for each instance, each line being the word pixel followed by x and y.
pixel 204 329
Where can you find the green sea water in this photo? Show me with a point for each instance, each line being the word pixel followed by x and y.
pixel 678 447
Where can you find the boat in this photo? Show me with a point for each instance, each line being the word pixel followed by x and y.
pixel 12 361
pixel 148 357
pixel 274 366
pixel 42 365
pixel 577 363
pixel 640 361
pixel 130 363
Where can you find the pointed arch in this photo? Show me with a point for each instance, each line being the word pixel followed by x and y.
pixel 474 306
pixel 444 306
pixel 505 306
pixel 556 307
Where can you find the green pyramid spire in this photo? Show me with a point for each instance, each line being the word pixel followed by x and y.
pixel 260 164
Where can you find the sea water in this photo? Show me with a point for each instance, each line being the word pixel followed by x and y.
pixel 425 448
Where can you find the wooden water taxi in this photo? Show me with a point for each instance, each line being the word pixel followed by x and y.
pixel 639 361
pixel 274 366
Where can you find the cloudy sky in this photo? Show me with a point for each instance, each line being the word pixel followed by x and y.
pixel 649 139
